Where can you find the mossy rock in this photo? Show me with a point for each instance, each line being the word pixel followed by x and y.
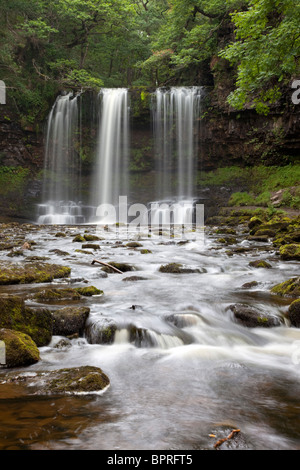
pixel 290 252
pixel 289 288
pixel 89 291
pixel 133 245
pixel 78 239
pixel 85 379
pixel 75 380
pixel 254 222
pixel 177 268
pixel 124 267
pixel 35 322
pixel 226 230
pixel 102 331
pixel 134 278
pixel 58 252
pixel 144 251
pixel 70 321
pixel 293 313
pixel 249 285
pixel 27 273
pixel 260 263
pixel 248 316
pixel 20 349
pixel 60 235
pixel 90 238
pixel 91 246
pixel 60 294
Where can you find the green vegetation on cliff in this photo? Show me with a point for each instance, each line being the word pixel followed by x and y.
pixel 86 44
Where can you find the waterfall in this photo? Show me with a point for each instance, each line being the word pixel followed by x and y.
pixel 61 185
pixel 110 179
pixel 175 114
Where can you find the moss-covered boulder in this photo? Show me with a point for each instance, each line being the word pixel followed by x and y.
pixel 57 294
pixel 70 321
pixel 75 380
pixel 91 246
pixel 20 349
pixel 32 272
pixel 134 245
pixel 101 331
pixel 293 313
pixel 250 317
pixel 290 252
pixel 88 291
pixel 260 263
pixel 254 222
pixel 35 322
pixel 91 238
pixel 289 288
pixel 178 268
pixel 78 239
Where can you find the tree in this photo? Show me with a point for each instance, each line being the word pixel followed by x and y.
pixel 266 52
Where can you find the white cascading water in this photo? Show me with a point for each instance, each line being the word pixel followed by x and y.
pixel 176 114
pixel 110 179
pixel 61 187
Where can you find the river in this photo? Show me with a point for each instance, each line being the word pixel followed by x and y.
pixel 195 373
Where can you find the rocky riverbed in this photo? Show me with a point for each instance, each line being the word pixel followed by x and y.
pixel 202 338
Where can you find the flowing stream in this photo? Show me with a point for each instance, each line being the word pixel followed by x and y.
pixel 192 370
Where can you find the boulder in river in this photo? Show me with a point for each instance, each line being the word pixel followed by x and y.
pixel 33 272
pixel 250 317
pixel 290 252
pixel 35 322
pixel 70 321
pixel 289 288
pixel 260 263
pixel 75 380
pixel 178 268
pixel 293 313
pixel 20 349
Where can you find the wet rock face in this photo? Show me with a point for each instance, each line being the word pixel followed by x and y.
pixel 77 380
pixel 293 313
pixel 250 317
pixel 70 321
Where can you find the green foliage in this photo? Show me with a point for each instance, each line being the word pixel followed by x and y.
pixel 12 180
pixel 266 51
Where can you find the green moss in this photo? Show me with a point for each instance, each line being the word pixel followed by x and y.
pixel 91 238
pixel 89 291
pixel 289 288
pixel 79 239
pixel 81 379
pixel 290 252
pixel 20 349
pixel 260 264
pixel 35 322
pixel 27 273
pixel 57 294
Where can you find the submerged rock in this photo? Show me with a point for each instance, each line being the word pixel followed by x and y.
pixel 289 288
pixel 27 273
pixel 250 317
pixel 70 321
pixel 20 349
